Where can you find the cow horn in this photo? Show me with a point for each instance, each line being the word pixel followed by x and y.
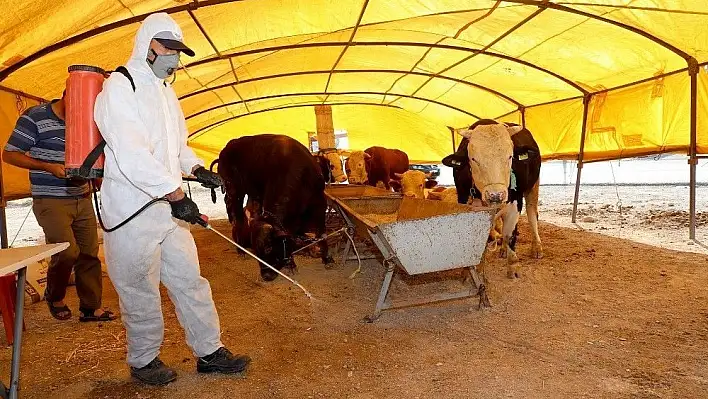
pixel 514 129
pixel 452 129
pixel 367 155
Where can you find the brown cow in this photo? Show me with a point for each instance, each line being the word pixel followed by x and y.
pixel 285 188
pixel 376 164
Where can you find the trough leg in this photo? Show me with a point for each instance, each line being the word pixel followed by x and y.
pixel 350 231
pixel 345 255
pixel 390 268
pixel 481 288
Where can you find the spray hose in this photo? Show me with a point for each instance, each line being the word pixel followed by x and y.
pixel 206 225
pixel 203 221
pixel 131 217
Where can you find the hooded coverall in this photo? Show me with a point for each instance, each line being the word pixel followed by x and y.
pixel 146 149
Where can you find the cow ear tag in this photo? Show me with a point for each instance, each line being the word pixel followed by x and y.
pixel 523 157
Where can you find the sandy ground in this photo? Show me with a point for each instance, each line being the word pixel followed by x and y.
pixel 655 215
pixel 597 317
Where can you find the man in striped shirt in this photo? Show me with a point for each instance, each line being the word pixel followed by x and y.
pixel 62 207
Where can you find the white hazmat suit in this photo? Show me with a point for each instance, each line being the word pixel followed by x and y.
pixel 146 149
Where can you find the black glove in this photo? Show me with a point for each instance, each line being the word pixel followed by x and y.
pixel 185 209
pixel 208 178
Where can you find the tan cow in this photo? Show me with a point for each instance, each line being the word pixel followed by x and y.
pixel 333 155
pixel 445 195
pixel 413 183
pixel 356 167
pixel 491 149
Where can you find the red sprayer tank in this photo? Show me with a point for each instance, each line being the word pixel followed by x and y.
pixel 82 135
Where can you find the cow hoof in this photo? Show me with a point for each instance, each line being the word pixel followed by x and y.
pixel 513 273
pixel 536 251
pixel 328 261
pixel 268 275
pixel 511 257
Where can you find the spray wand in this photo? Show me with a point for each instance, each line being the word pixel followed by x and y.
pixel 204 222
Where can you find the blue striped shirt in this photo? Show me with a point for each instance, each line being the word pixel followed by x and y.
pixel 40 133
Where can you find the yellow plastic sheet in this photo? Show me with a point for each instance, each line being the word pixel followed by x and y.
pixel 397 72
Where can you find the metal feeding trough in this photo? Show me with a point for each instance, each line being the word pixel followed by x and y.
pixel 417 236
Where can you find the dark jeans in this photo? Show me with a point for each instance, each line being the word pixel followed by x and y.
pixel 71 220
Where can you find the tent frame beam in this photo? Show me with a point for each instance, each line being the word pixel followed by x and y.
pixel 343 93
pixel 344 50
pixel 581 153
pixel 559 7
pixel 485 48
pixel 193 5
pixel 386 44
pixel 289 106
pixel 216 50
pixel 346 71
pixel 457 35
pixel 693 70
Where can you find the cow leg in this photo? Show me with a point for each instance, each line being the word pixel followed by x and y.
pixel 511 218
pixel 279 202
pixel 234 208
pixel 495 233
pixel 318 216
pixel 532 215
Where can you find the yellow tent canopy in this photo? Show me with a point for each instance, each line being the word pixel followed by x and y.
pixel 396 72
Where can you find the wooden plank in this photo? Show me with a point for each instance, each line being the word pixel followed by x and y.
pixel 13 259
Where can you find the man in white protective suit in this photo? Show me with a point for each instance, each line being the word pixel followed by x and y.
pixel 146 151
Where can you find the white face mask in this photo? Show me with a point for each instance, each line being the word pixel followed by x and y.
pixel 163 65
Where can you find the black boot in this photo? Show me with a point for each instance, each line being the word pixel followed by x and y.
pixel 154 373
pixel 223 361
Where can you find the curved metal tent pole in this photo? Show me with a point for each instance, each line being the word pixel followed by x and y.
pixel 387 44
pixel 191 6
pixel 342 93
pixel 693 72
pixel 485 48
pixel 344 50
pixel 692 63
pixel 347 71
pixel 309 104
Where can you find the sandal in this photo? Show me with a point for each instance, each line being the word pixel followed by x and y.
pixel 88 315
pixel 56 310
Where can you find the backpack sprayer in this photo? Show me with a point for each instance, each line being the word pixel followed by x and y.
pixel 84 144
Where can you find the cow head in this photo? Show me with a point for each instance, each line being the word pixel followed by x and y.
pixel 356 167
pixel 271 245
pixel 325 168
pixel 490 152
pixel 335 164
pixel 414 182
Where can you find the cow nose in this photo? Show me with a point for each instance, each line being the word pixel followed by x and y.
pixel 410 195
pixel 495 198
pixel 341 179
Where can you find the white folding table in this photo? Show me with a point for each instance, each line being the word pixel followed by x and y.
pixel 16 260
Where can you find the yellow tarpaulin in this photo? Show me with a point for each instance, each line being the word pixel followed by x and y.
pixel 396 72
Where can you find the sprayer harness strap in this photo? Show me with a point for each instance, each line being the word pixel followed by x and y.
pixel 92 157
pixel 124 71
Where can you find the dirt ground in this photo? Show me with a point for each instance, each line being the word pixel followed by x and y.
pixel 597 317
